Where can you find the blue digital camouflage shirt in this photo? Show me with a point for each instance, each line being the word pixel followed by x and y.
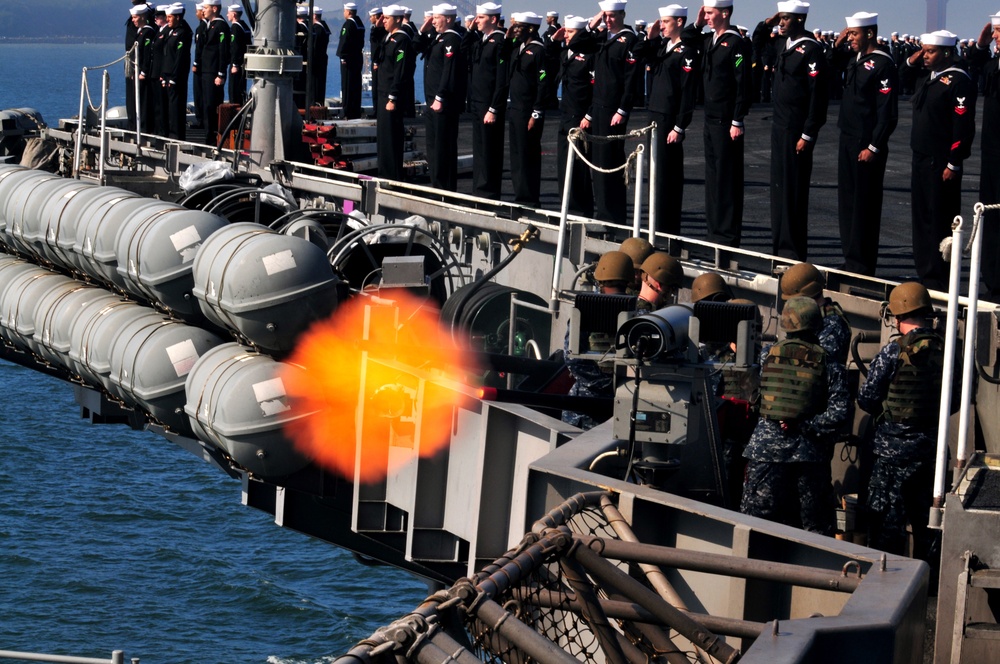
pixel 835 335
pixel 894 440
pixel 809 439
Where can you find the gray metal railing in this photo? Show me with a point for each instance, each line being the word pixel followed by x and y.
pixel 117 657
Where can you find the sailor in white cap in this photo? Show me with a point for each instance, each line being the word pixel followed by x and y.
pixel 350 50
pixel 615 72
pixel 529 92
pixel 158 93
pixel 989 178
pixel 727 81
pixel 376 37
pixel 445 84
pixel 488 87
pixel 144 43
pixel 674 77
pixel 320 63
pixel 868 115
pixel 944 110
pixel 240 38
pixel 300 84
pixel 174 72
pixel 214 64
pixel 800 95
pixel 394 54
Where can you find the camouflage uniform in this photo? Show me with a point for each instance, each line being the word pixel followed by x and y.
pixel 590 381
pixel 786 469
pixel 902 479
pixel 835 335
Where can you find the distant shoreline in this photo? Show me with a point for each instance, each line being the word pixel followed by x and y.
pixel 59 40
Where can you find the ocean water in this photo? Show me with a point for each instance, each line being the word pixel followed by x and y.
pixel 117 539
pixel 47 77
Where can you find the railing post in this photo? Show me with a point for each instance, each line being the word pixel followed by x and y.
pixel 950 338
pixel 654 174
pixel 640 173
pixel 561 240
pixel 105 84
pixel 972 308
pixel 80 126
pixel 138 101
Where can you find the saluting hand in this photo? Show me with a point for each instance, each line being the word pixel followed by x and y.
pixel 985 35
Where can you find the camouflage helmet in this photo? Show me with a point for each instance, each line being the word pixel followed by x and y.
pixel 800 314
pixel 614 266
pixel 802 279
pixel 664 269
pixel 709 286
pixel 908 298
pixel 638 249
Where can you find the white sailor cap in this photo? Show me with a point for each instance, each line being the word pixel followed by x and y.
pixel 741 28
pixel 893 34
pixel 939 38
pixel 793 7
pixel 428 13
pixel 489 9
pixel 995 19
pixel 470 17
pixel 673 10
pixel 576 23
pixel 175 10
pixel 444 9
pixel 393 11
pixel 236 9
pixel 138 10
pixel 407 10
pixel 528 18
pixel 640 23
pixel 861 20
pixel 374 11
pixel 351 6
pixel 318 11
pixel 301 11
pixel 552 14
pixel 612 5
pixel 212 3
pixel 719 4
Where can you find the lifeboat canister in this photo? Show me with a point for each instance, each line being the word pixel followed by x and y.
pixel 92 341
pixel 150 362
pixel 78 210
pixel 54 317
pixel 17 304
pixel 54 221
pixel 14 202
pixel 97 235
pixel 156 253
pixel 79 334
pixel 266 286
pixel 236 400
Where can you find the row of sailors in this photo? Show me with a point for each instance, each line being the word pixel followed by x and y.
pixel 779 457
pixel 162 62
pixel 510 84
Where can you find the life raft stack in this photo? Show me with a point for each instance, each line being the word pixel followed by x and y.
pixel 160 308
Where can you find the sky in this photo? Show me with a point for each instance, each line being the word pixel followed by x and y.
pixel 966 18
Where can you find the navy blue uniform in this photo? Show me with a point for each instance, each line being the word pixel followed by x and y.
pixel 615 70
pixel 445 81
pixel 393 54
pixel 989 177
pixel 529 93
pixel 576 76
pixel 869 113
pixel 674 77
pixel 350 51
pixel 488 87
pixel 727 82
pixel 944 124
pixel 799 93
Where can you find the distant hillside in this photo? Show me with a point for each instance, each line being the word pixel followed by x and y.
pixel 92 20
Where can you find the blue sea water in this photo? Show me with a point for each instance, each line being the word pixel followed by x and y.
pixel 117 539
pixel 47 77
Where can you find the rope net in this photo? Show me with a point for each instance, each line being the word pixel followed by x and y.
pixel 542 601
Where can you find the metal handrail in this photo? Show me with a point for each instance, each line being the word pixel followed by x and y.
pixel 117 657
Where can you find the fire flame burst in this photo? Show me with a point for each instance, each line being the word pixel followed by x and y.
pixel 410 371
